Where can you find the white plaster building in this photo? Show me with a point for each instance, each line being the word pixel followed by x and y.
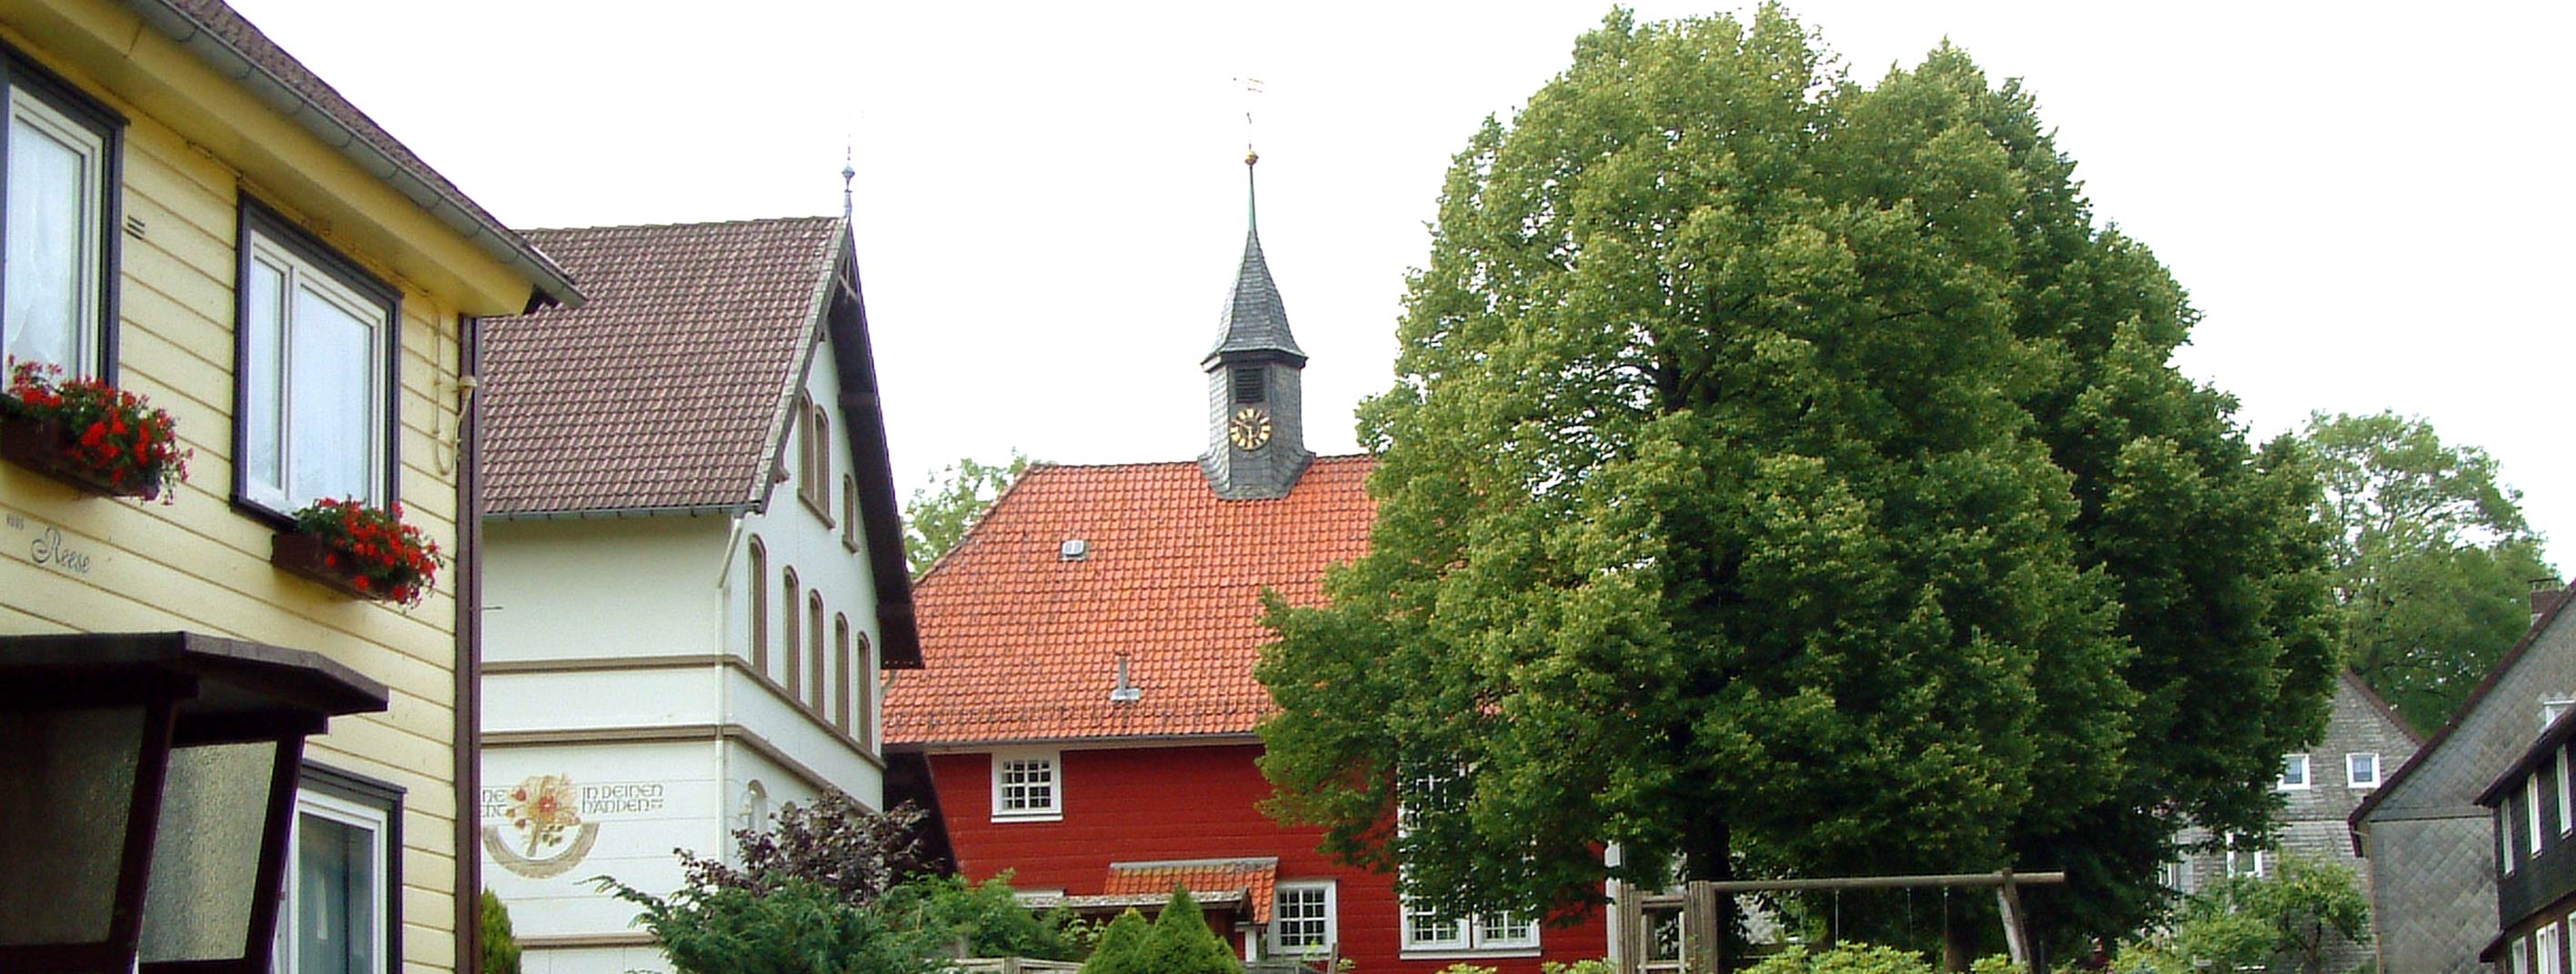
pixel 694 570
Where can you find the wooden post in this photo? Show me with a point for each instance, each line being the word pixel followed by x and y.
pixel 2016 933
pixel 1629 901
pixel 1701 938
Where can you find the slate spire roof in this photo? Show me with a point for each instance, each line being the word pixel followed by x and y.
pixel 666 391
pixel 1255 319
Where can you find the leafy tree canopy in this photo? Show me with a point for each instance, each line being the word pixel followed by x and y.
pixel 1787 473
pixel 2432 558
pixel 939 514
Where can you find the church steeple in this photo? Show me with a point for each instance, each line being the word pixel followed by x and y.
pixel 1256 428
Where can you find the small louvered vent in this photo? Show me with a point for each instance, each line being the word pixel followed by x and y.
pixel 1247 384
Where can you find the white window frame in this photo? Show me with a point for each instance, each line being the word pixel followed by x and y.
pixel 1332 933
pixel 95 141
pixel 2548 949
pixel 1468 936
pixel 2566 808
pixel 2531 799
pixel 2256 857
pixel 303 266
pixel 2551 707
pixel 2352 776
pixel 377 822
pixel 2521 955
pixel 2504 835
pixel 2307 773
pixel 1053 810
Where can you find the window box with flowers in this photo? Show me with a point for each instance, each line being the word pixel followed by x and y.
pixel 367 552
pixel 89 434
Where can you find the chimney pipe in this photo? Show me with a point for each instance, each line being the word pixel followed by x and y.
pixel 1125 692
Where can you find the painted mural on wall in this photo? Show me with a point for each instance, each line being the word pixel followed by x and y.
pixel 546 824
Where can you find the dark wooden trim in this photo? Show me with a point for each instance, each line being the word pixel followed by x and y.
pixel 17 70
pixel 469 648
pixel 254 217
pixel 863 425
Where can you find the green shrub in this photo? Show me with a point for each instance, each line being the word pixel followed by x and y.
pixel 985 917
pixel 1183 944
pixel 795 927
pixel 500 946
pixel 1854 958
pixel 1121 949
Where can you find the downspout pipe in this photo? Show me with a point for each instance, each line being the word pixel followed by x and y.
pixel 553 286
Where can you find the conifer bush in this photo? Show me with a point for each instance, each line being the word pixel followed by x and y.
pixel 500 946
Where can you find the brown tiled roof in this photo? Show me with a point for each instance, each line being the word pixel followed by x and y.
pixel 219 35
pixel 1254 878
pixel 666 390
pixel 1022 644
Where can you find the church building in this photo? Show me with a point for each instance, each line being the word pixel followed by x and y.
pixel 1087 706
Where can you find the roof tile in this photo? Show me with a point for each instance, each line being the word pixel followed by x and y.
pixel 1023 645
pixel 664 390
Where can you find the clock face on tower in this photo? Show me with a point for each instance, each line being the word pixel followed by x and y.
pixel 1249 429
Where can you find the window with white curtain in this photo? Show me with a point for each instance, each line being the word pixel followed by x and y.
pixel 316 366
pixel 56 296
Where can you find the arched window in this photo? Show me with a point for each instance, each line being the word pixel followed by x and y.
pixel 863 722
pixel 759 606
pixel 849 512
pixel 793 642
pixel 849 671
pixel 818 673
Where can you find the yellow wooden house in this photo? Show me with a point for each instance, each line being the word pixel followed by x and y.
pixel 217 755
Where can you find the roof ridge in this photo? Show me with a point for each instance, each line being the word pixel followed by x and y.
pixel 1192 464
pixel 685 224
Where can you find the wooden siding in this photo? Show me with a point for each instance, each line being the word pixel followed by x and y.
pixel 1142 804
pixel 200 565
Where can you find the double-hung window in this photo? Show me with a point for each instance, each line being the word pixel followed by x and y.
pixel 316 372
pixel 2361 770
pixel 1301 918
pixel 2294 772
pixel 338 912
pixel 1026 786
pixel 58 292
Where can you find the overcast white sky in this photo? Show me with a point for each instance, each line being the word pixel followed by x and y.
pixel 2369 202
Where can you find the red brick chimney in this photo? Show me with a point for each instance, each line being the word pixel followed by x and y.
pixel 2545 592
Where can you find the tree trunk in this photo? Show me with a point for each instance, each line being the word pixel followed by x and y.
pixel 1707 855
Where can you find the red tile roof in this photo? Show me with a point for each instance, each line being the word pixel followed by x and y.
pixel 665 390
pixel 1023 645
pixel 1254 878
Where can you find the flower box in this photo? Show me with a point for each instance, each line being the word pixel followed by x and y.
pixel 317 560
pixel 89 434
pixel 47 448
pixel 366 552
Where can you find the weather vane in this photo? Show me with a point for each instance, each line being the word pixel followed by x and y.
pixel 848 173
pixel 1251 87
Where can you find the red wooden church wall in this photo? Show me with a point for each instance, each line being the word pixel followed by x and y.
pixel 1139 804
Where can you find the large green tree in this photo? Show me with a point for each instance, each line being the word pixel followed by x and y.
pixel 2432 558
pixel 1785 473
pixel 939 514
